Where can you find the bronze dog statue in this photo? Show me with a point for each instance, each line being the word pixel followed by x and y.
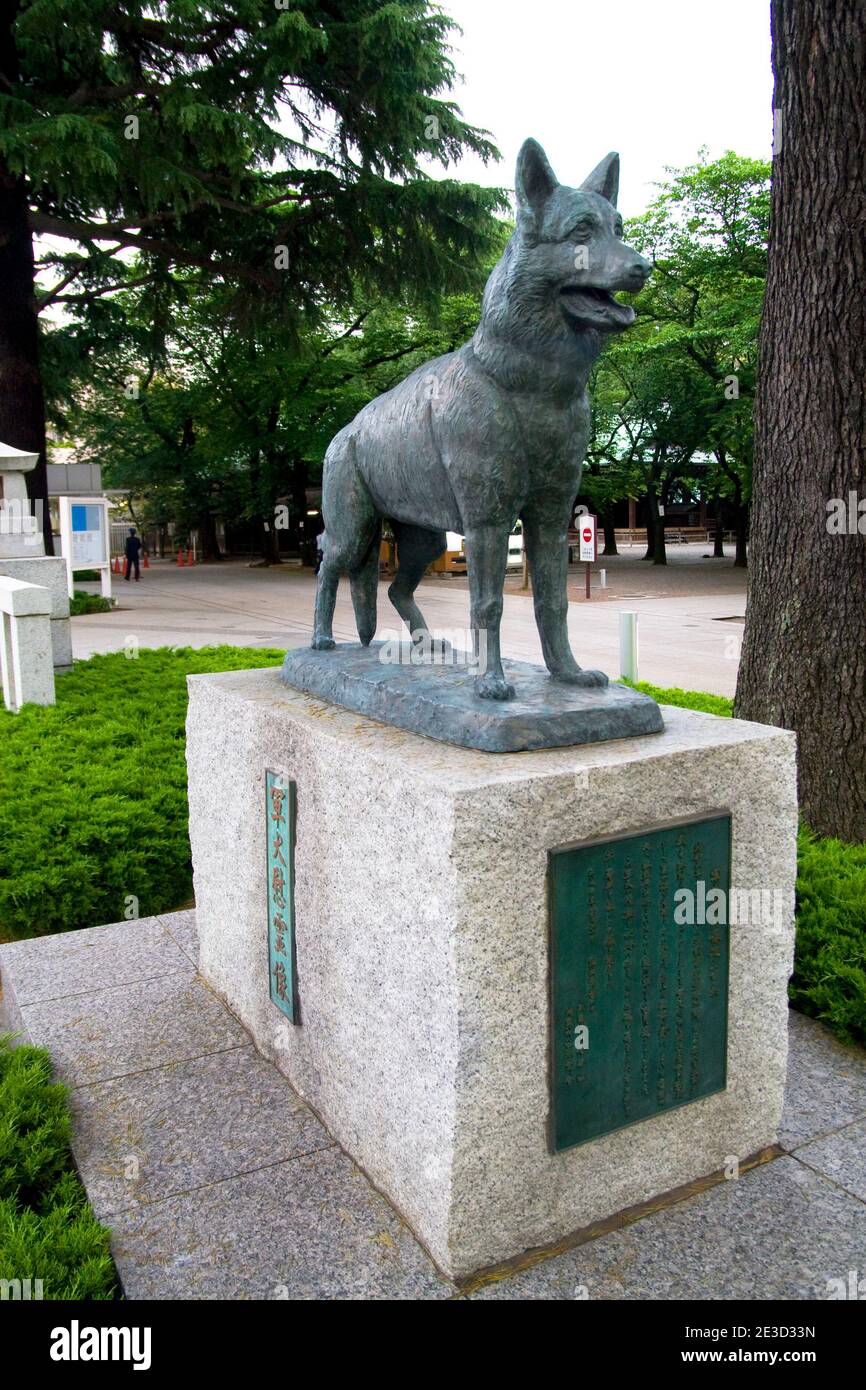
pixel 494 431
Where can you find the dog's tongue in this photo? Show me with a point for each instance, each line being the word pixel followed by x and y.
pixel 624 313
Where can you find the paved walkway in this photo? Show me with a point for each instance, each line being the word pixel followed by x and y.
pixel 687 639
pixel 218 1182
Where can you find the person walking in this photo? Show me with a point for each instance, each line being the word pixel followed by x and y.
pixel 133 553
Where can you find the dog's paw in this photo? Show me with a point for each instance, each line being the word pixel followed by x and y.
pixel 323 644
pixel 588 679
pixel 493 687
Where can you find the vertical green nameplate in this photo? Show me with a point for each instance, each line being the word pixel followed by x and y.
pixel 639 947
pixel 280 806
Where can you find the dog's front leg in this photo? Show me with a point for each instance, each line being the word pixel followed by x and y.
pixel 547 551
pixel 486 561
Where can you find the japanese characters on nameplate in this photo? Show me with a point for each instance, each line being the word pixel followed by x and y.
pixel 280 806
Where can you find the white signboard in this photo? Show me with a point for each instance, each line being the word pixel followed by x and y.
pixel 88 534
pixel 587 526
pixel 84 537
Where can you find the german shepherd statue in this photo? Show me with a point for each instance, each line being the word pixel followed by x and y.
pixel 494 431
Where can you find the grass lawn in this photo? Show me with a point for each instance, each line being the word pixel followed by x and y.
pixel 47 1230
pixel 93 819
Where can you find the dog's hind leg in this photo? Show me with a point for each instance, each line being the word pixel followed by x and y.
pixel 416 549
pixel 364 580
pixel 351 523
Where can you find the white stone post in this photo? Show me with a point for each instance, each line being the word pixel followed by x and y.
pixel 25 644
pixel 628 646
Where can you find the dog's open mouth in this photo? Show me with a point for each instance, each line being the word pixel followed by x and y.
pixel 594 306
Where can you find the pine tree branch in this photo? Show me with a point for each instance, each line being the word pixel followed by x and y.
pixel 168 250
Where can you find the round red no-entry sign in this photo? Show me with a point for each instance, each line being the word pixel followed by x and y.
pixel 587 534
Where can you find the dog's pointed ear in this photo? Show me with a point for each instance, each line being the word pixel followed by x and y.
pixel 604 178
pixel 535 180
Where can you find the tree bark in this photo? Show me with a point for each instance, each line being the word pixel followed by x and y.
pixel 210 549
pixel 609 528
pixel 719 534
pixel 22 406
pixel 742 534
pixel 657 522
pixel 650 537
pixel 804 652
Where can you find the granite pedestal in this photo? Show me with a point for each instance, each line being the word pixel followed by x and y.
pixel 422 947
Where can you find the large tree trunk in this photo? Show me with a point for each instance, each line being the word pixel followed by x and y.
pixel 298 510
pixel 804 653
pixel 22 407
pixel 742 534
pixel 609 528
pixel 657 522
pixel 210 546
pixel 719 534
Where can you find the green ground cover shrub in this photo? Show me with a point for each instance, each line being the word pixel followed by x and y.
pixel 88 603
pixel 47 1229
pixel 93 807
pixel 686 699
pixel 829 980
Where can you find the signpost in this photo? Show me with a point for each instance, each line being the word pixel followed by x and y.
pixel 85 538
pixel 587 526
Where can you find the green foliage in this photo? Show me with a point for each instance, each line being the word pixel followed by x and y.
pixel 84 575
pixel 93 805
pixel 686 699
pixel 830 977
pixel 88 603
pixel 47 1229
pixel 224 423
pixel 204 138
pixel 672 399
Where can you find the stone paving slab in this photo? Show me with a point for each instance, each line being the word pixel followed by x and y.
pixel 841 1157
pixel 241 1193
pixel 826 1086
pixel 129 1028
pixel 779 1231
pixel 169 1130
pixel 52 967
pixel 182 929
pixel 310 1229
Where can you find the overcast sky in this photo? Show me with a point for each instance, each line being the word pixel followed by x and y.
pixel 654 79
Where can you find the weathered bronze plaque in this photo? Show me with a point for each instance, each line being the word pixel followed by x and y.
pixel 639 947
pixel 280 829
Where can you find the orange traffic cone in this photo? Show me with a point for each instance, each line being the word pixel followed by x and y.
pixel 115 568
pixel 146 561
pixel 180 559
